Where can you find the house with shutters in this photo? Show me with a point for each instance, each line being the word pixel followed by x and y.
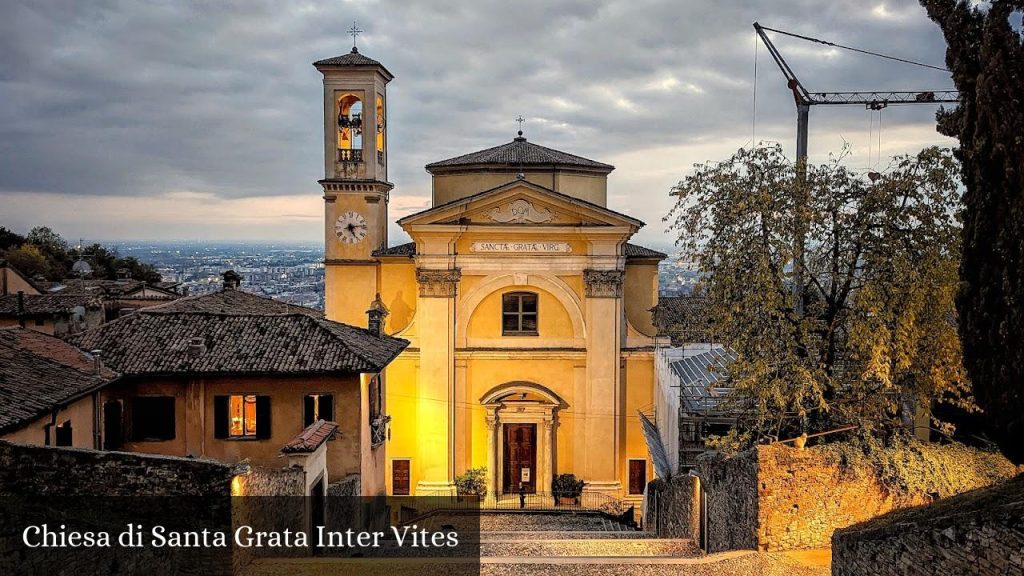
pixel 235 377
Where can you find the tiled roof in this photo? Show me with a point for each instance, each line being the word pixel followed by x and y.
pixel 98 285
pixel 53 348
pixel 311 438
pixel 232 302
pixel 353 58
pixel 43 304
pixel 637 251
pixel 38 376
pixel 407 249
pixel 520 152
pixel 683 318
pixel 237 333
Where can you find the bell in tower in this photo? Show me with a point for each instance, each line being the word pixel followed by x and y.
pixel 355 182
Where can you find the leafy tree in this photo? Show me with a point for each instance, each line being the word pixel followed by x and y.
pixel 986 56
pixel 28 259
pixel 874 331
pixel 10 239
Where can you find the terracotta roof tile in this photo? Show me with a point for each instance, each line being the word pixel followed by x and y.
pixel 38 304
pixel 311 438
pixel 237 333
pixel 519 152
pixel 39 373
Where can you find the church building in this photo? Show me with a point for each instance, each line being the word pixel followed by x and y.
pixel 527 308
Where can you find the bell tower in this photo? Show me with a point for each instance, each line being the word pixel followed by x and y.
pixel 355 183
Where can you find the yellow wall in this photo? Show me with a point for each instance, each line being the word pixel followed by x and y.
pixel 194 417
pixel 351 290
pixel 79 412
pixel 552 319
pixel 641 284
pixel 590 187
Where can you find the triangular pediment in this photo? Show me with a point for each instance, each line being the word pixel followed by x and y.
pixel 520 203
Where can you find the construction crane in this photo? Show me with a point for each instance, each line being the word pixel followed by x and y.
pixel 875 100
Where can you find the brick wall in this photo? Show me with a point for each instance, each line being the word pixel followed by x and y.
pixel 979 532
pixel 780 498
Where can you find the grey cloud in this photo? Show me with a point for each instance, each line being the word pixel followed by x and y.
pixel 138 98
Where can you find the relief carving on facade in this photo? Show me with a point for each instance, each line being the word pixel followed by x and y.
pixel 520 212
pixel 438 283
pixel 603 283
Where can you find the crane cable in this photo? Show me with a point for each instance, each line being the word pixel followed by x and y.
pixel 868 52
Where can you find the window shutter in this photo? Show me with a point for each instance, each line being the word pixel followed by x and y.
pixel 220 416
pixel 307 410
pixel 327 407
pixel 263 416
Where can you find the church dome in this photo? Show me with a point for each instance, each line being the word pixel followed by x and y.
pixel 520 152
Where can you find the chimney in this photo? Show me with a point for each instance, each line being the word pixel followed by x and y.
pixel 21 308
pixel 196 346
pixel 375 316
pixel 97 360
pixel 232 280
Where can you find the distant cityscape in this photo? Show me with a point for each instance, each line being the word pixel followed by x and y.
pixel 294 272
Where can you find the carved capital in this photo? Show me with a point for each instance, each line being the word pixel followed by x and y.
pixel 603 283
pixel 438 283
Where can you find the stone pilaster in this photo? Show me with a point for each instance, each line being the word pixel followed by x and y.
pixel 603 283
pixel 438 283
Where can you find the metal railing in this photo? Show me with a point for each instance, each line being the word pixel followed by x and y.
pixel 350 155
pixel 587 501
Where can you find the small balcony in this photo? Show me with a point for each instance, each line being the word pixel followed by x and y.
pixel 351 156
pixel 379 430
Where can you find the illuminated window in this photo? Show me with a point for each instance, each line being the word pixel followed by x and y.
pixel 380 123
pixel 317 407
pixel 350 128
pixel 242 414
pixel 519 314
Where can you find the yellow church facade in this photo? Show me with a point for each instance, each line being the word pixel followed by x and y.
pixel 527 308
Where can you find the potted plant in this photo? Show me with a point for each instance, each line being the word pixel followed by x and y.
pixel 472 483
pixel 566 489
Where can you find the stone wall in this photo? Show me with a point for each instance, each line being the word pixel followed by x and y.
pixel 673 509
pixel 979 532
pixel 779 498
pixel 730 485
pixel 46 470
pixel 96 491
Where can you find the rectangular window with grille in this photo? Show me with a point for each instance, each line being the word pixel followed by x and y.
pixel 519 314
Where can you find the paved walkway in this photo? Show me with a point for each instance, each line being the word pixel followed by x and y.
pixel 564 544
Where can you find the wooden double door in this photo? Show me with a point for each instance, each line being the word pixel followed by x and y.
pixel 520 458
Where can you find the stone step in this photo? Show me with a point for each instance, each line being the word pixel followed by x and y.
pixel 599 547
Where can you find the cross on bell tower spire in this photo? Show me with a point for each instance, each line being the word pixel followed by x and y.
pixel 354 31
pixel 520 120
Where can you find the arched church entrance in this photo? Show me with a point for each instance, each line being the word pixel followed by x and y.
pixel 521 427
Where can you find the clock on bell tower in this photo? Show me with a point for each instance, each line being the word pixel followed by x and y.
pixel 355 184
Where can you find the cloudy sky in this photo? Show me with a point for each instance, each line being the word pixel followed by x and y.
pixel 202 120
